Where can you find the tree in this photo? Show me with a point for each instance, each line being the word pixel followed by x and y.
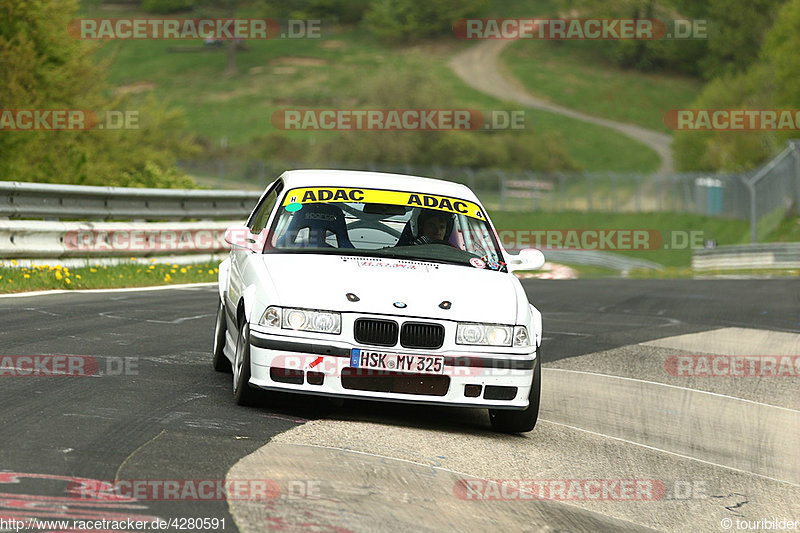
pixel 737 29
pixel 768 83
pixel 43 67
pixel 781 47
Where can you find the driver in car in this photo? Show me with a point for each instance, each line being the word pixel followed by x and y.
pixel 432 227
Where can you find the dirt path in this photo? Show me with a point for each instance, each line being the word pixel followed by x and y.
pixel 478 67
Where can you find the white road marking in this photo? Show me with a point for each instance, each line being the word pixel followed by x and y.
pixel 714 427
pixel 670 453
pixel 40 311
pixel 671 386
pixel 733 341
pixel 99 291
pixel 107 314
pixel 179 320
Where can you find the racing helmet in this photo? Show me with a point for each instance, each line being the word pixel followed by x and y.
pixel 420 216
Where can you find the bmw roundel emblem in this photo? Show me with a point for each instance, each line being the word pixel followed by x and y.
pixel 400 305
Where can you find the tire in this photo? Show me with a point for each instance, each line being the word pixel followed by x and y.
pixel 512 421
pixel 243 393
pixel 220 362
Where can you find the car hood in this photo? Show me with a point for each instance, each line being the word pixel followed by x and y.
pixel 323 281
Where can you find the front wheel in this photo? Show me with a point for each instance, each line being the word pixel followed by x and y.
pixel 220 360
pixel 243 393
pixel 509 421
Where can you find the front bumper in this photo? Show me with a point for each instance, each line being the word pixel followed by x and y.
pixel 314 366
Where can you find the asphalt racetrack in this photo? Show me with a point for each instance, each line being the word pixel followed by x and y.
pixel 627 440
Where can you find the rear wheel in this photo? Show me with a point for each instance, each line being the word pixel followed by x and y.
pixel 510 421
pixel 243 393
pixel 220 361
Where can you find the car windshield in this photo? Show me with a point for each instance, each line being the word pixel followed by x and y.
pixel 384 223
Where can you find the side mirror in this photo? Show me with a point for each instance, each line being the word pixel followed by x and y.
pixel 528 259
pixel 240 237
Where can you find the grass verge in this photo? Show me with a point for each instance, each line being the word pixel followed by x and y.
pixel 38 278
pixel 678 273
pixel 573 75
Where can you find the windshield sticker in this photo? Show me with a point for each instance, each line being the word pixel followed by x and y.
pixel 310 195
pixel 292 205
pixel 477 263
pixel 493 263
pixel 371 263
pixel 394 264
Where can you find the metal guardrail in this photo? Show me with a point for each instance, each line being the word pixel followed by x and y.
pixel 748 256
pixel 55 202
pixel 28 239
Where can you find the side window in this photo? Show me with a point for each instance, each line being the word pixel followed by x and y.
pixel 261 216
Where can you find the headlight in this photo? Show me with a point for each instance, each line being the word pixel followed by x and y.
pixel 521 336
pixel 302 320
pixel 484 334
pixel 272 317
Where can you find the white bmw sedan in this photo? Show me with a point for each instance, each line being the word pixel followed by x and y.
pixel 383 287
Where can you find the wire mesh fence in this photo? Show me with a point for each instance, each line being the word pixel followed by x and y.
pixel 774 190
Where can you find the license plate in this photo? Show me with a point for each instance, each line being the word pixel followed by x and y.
pixel 413 364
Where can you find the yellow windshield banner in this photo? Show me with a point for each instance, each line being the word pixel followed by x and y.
pixel 311 195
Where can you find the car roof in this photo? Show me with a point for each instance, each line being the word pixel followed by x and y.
pixel 375 180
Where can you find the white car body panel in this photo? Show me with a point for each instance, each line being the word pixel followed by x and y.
pixel 255 281
pixel 322 283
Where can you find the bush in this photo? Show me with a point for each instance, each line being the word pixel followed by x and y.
pixel 167 6
pixel 153 176
pixel 509 150
pixel 337 11
pixel 405 20
pixel 729 151
pixel 277 145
